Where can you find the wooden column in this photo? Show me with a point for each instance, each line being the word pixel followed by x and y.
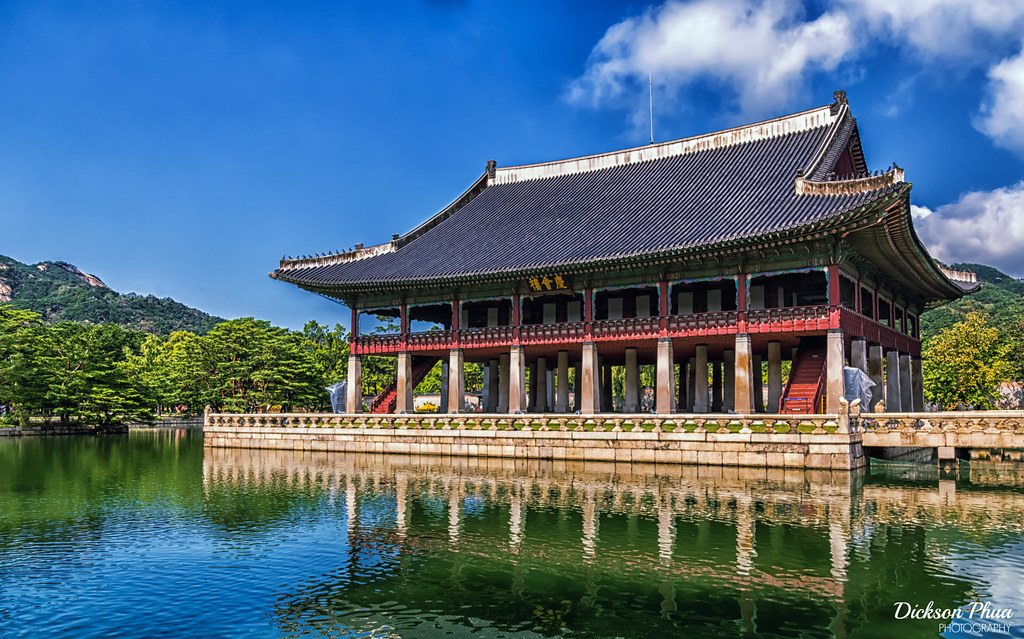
pixel 588 311
pixel 456 322
pixel 663 308
pixel 403 323
pixel 742 283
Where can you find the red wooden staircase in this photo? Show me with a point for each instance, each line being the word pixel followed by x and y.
pixel 802 393
pixel 388 398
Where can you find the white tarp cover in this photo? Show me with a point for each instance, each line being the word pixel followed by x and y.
pixel 857 385
pixel 337 392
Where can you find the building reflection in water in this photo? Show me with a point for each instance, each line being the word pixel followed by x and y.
pixel 755 533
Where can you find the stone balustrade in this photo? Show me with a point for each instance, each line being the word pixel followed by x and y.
pixel 781 441
pixel 965 429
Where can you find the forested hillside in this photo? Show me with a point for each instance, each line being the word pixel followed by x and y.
pixel 59 291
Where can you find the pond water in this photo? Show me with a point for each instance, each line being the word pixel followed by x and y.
pixel 148 535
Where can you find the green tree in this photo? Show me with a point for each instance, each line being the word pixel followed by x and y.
pixel 964 364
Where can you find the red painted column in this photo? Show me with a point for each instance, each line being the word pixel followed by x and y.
pixel 663 307
pixel 456 321
pixel 741 302
pixel 404 323
pixel 354 332
pixel 588 311
pixel 516 300
pixel 833 295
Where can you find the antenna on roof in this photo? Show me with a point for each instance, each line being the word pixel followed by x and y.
pixel 650 101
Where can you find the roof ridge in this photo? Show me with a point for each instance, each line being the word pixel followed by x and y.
pixel 776 127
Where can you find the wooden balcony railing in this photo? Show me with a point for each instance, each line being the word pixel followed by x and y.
pixel 558 332
pixel 795 319
pixel 625 328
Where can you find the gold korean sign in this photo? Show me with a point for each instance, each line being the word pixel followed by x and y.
pixel 547 283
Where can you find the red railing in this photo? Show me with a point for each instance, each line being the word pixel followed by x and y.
pixel 711 323
pixel 795 319
pixel 791 318
pixel 558 332
pixel 626 328
pixel 483 337
pixel 429 340
pixel 853 323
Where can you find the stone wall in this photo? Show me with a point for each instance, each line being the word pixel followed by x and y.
pixel 813 450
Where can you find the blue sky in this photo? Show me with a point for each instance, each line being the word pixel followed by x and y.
pixel 182 150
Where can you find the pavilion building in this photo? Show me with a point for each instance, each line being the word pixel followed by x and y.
pixel 712 258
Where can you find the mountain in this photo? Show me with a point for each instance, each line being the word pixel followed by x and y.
pixel 1000 298
pixel 61 291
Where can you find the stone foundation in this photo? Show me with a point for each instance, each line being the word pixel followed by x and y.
pixel 834 451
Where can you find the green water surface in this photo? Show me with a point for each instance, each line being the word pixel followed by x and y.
pixel 150 535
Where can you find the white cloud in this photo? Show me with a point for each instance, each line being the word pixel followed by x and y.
pixel 1002 113
pixel 982 226
pixel 939 29
pixel 762 49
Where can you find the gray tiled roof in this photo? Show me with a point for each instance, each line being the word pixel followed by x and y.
pixel 701 197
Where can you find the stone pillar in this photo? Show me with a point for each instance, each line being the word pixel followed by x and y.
pixel 456 382
pixel 666 391
pixel 404 396
pixel 589 387
pixel 906 384
pixel 691 384
pixel 632 403
pixel 892 382
pixel 562 383
pixel 774 377
pixel 742 367
pixel 442 402
pixel 516 380
pixel 503 383
pixel 859 353
pixel 549 385
pixel 834 361
pixel 716 386
pixel 918 383
pixel 682 402
pixel 606 388
pixel 728 380
pixel 757 383
pixel 577 400
pixel 540 386
pixel 875 373
pixel 531 387
pixel 492 386
pixel 700 398
pixel 354 389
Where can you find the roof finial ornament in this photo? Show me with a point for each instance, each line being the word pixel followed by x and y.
pixel 839 96
pixel 492 168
